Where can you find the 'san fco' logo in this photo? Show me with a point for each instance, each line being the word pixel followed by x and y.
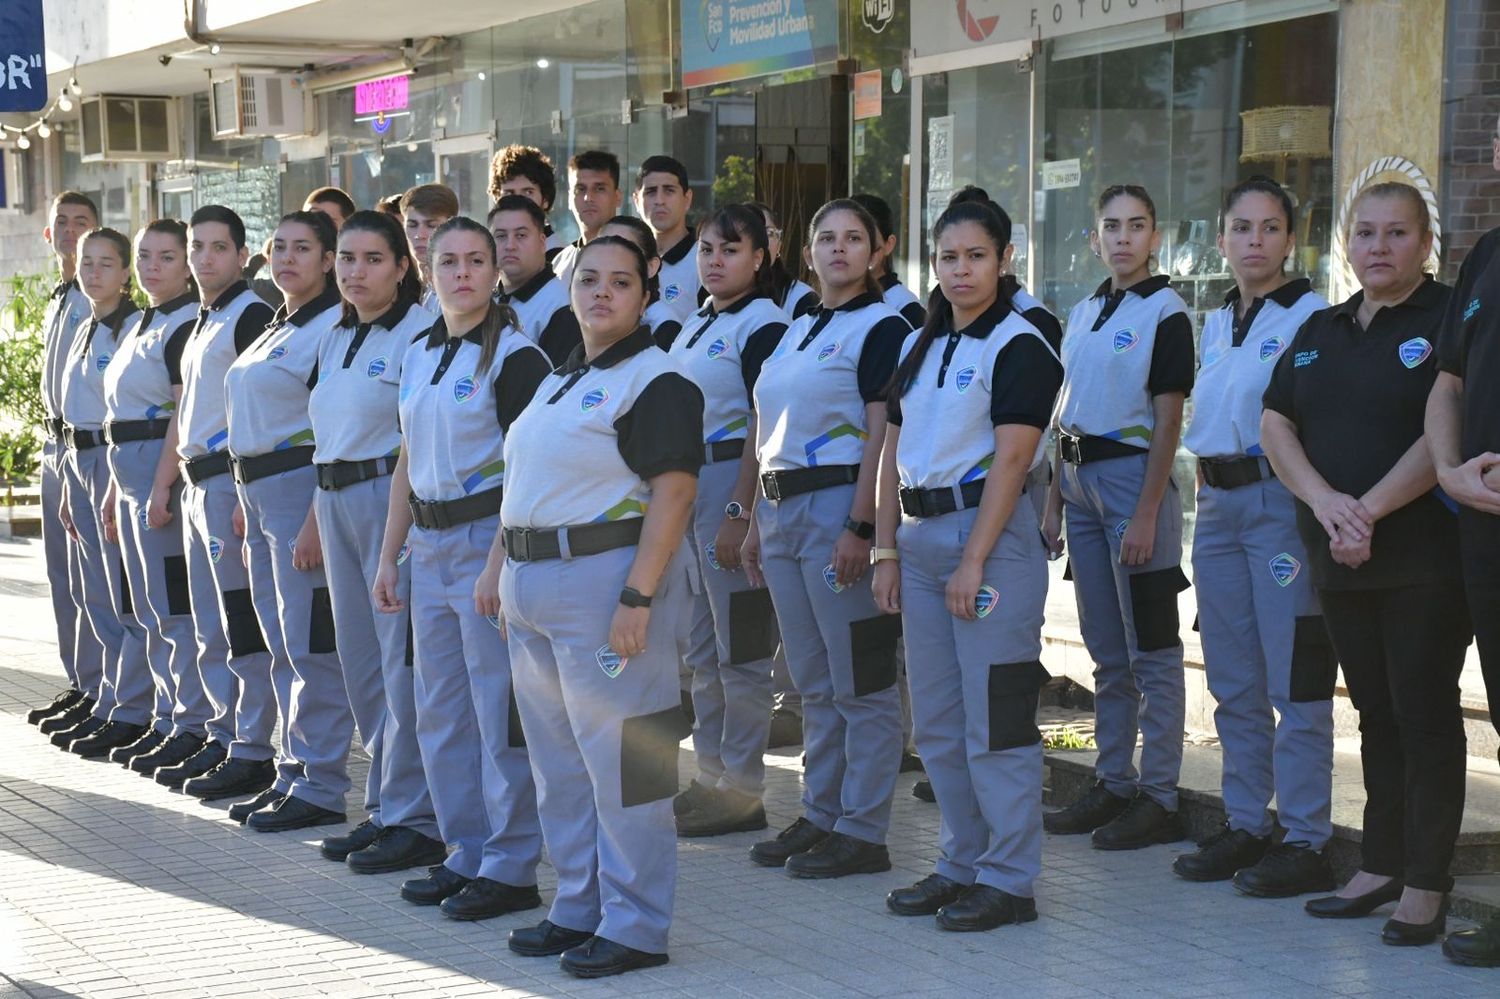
pixel 593 399
pixel 828 351
pixel 1125 339
pixel 1271 348
pixel 215 549
pixel 1414 351
pixel 711 14
pixel 464 389
pixel 985 600
pixel 1284 569
pixel 965 378
pixel 377 368
pixel 276 353
pixel 610 661
pixel 717 347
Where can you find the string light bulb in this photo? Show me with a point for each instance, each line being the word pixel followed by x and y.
pixel 75 88
pixel 23 141
pixel 44 131
pixel 64 102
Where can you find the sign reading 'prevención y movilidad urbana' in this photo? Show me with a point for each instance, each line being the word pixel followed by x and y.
pixel 725 40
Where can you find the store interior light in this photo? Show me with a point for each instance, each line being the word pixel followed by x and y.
pixel 543 63
pixel 215 49
pixel 481 76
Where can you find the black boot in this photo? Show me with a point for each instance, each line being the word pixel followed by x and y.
pixel 61 703
pixel 597 957
pixel 81 709
pixel 441 882
pixel 397 848
pixel 799 837
pixel 1143 823
pixel 696 796
pixel 338 848
pixel 148 743
pixel 1221 855
pixel 209 756
pixel 170 753
pixel 726 812
pixel 1088 813
pixel 545 939
pixel 269 798
pixel 89 726
pixel 110 737
pixel 484 898
pixel 234 778
pixel 925 897
pixel 1476 948
pixel 840 855
pixel 291 813
pixel 1287 869
pixel 984 908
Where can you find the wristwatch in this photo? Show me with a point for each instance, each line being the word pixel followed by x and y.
pixel 878 555
pixel 861 529
pixel 736 511
pixel 632 597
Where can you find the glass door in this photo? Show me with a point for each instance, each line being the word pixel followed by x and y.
pixel 463 163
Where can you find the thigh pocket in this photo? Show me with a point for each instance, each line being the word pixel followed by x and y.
pixel 320 623
pixel 1314 665
pixel 752 626
pixel 1014 690
pixel 1153 607
pixel 648 755
pixel 241 625
pixel 872 649
pixel 179 594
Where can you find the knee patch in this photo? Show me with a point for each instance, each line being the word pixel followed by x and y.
pixel 244 634
pixel 514 737
pixel 1014 690
pixel 648 755
pixel 179 595
pixel 127 606
pixel 1153 608
pixel 753 633
pixel 320 624
pixel 1314 665
pixel 872 649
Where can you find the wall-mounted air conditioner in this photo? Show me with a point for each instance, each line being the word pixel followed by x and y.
pixel 250 104
pixel 119 127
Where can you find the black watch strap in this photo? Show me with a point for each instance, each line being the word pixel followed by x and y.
pixel 862 529
pixel 632 597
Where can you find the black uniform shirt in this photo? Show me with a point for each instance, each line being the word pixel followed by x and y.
pixel 1470 345
pixel 1358 398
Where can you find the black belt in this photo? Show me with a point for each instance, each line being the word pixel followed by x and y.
pixel 206 466
pixel 438 514
pixel 717 451
pixel 527 544
pixel 1232 473
pixel 1088 448
pixel 796 481
pixel 273 463
pixel 341 474
pixel 125 431
pixel 81 440
pixel 54 428
pixel 936 502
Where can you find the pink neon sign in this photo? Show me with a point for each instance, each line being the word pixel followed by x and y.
pixel 376 96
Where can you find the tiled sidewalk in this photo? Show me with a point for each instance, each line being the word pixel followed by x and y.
pixel 111 886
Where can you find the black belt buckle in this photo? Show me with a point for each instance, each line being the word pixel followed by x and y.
pixel 769 486
pixel 1071 448
pixel 916 503
pixel 518 543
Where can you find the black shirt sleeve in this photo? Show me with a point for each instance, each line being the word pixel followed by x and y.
pixel 1047 325
pixel 1452 343
pixel 666 334
pixel 805 304
pixel 253 322
pixel 520 373
pixel 172 354
pixel 914 314
pixel 877 361
pixel 1025 383
pixel 759 346
pixel 560 336
pixel 1279 396
pixel 1172 359
pixel 663 430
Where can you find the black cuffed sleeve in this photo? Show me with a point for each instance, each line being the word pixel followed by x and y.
pixel 663 430
pixel 1025 383
pixel 1280 396
pixel 877 360
pixel 914 314
pixel 759 346
pixel 520 373
pixel 1172 360
pixel 1047 325
pixel 560 336
pixel 172 353
pixel 253 322
pixel 666 333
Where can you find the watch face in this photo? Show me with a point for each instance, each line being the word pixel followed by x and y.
pixel 734 511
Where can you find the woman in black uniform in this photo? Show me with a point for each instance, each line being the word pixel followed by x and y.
pixel 1343 428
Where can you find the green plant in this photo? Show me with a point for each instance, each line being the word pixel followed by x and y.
pixel 1067 737
pixel 20 454
pixel 735 183
pixel 23 303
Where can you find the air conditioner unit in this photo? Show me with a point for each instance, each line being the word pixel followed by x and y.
pixel 119 127
pixel 247 104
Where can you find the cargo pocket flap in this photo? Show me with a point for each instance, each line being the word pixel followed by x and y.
pixel 1153 607
pixel 753 633
pixel 648 755
pixel 1014 690
pixel 872 650
pixel 1315 665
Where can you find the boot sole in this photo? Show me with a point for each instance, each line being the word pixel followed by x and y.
pixel 1202 879
pixel 983 927
pixel 1169 836
pixel 1321 888
pixel 878 868
pixel 553 951
pixel 749 825
pixel 653 961
pixel 242 791
pixel 322 820
pixel 475 917
pixel 1470 962
pixel 428 860
pixel 422 900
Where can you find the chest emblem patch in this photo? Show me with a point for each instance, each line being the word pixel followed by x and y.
pixel 985 600
pixel 464 389
pixel 103 361
pixel 610 661
pixel 717 347
pixel 377 368
pixel 275 353
pixel 965 378
pixel 671 293
pixel 1125 339
pixel 1414 351
pixel 1271 349
pixel 828 351
pixel 1284 569
pixel 593 399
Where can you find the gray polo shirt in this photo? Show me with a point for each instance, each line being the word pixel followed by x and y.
pixel 138 384
pixel 226 327
pixel 267 387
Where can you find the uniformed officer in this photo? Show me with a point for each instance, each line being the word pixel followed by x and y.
pixel 663 197
pixel 959 558
pixel 1343 425
pixel 1028 305
pixel 333 202
pixel 820 424
pixel 231 316
pixel 461 386
pixel 1263 636
pixel 896 294
pixel 424 209
pixel 601 474
pixel 72 215
pixel 88 507
pixel 1128 362
pixel 660 318
pixel 722 348
pixel 357 442
pixel 142 386
pixel 528 172
pixel 271 446
pixel 794 295
pixel 527 284
pixel 594 186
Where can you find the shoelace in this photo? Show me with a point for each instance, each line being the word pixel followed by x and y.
pixel 1288 850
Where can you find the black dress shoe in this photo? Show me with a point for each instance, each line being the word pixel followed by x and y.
pixel 922 791
pixel 266 799
pixel 545 939
pixel 110 737
pixel 799 837
pixel 148 743
pixel 984 908
pixel 1286 870
pixel 441 882
pixel 925 897
pixel 62 702
pixel 1399 934
pixel 1221 855
pixel 1335 907
pixel 234 778
pixel 338 848
pixel 84 729
pixel 1143 823
pixel 726 812
pixel 484 898
pixel 1476 948
pixel 840 855
pixel 291 813
pixel 397 848
pixel 209 756
pixel 170 753
pixel 911 762
pixel 1088 813
pixel 597 957
pixel 696 796
pixel 80 710
pixel 786 729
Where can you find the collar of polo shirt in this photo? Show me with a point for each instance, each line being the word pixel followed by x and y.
pixel 984 324
pixel 1424 296
pixel 228 295
pixel 622 349
pixel 1286 296
pixel 889 280
pixel 736 306
pixel 534 284
pixel 679 250
pixel 859 301
pixel 191 295
pixel 438 334
pixel 391 318
pixel 326 299
pixel 63 287
pixel 1150 286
